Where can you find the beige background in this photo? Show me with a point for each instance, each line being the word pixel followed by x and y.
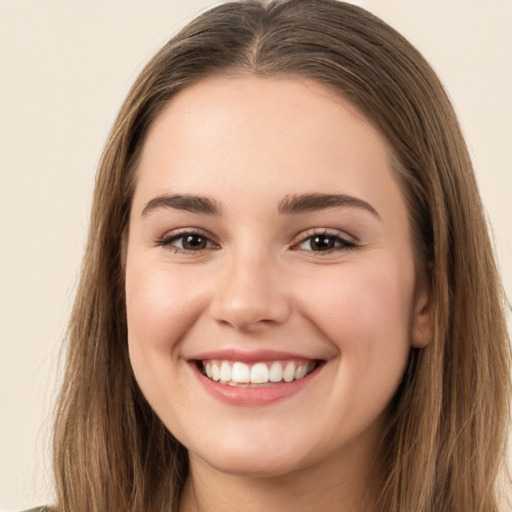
pixel 64 69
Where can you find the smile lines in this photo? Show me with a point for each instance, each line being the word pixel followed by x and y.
pixel 235 373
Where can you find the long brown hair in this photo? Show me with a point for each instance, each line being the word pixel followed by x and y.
pixel 445 441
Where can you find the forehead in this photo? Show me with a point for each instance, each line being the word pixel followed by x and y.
pixel 270 136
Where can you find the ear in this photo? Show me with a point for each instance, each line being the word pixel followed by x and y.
pixel 422 330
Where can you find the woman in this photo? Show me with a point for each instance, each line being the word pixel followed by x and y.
pixel 289 298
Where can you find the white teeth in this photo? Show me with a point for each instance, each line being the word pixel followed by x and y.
pixel 241 373
pixel 225 371
pixel 289 372
pixel 234 373
pixel 276 372
pixel 300 372
pixel 259 373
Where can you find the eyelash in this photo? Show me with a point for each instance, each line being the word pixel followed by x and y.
pixel 169 240
pixel 341 243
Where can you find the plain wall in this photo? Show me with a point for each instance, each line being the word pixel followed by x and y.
pixel 65 67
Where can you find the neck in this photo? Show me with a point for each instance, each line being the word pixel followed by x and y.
pixel 329 486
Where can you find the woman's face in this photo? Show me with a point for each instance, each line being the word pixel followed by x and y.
pixel 271 290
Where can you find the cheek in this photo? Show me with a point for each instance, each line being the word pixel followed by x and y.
pixel 160 304
pixel 161 307
pixel 366 313
pixel 363 297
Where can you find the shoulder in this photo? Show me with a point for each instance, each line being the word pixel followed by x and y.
pixel 37 509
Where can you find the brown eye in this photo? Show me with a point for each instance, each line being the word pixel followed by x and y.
pixel 322 243
pixel 193 242
pixel 325 242
pixel 187 242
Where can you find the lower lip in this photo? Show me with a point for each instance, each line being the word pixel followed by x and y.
pixel 254 396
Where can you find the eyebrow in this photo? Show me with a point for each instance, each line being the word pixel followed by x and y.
pixel 195 204
pixel 290 205
pixel 295 204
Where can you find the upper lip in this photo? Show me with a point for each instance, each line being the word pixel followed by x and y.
pixel 249 356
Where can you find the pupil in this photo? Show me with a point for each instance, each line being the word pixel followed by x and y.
pixel 321 242
pixel 194 242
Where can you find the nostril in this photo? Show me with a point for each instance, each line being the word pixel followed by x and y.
pixel 250 317
pixel 248 298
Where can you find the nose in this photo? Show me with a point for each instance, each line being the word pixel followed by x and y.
pixel 250 294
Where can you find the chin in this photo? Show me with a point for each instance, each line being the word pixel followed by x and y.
pixel 254 460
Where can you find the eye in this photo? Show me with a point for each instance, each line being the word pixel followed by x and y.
pixel 325 242
pixel 186 242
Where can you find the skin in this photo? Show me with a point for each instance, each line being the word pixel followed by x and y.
pixel 259 282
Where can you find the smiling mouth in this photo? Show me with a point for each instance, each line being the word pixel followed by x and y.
pixel 261 374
